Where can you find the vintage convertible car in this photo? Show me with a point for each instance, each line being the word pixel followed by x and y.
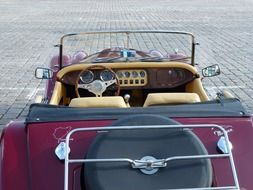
pixel 126 110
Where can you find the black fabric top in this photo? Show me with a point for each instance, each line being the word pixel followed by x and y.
pixel 49 113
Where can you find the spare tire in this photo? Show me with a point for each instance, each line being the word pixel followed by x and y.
pixel 136 144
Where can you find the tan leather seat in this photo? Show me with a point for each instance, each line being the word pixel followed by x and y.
pixel 170 98
pixel 99 102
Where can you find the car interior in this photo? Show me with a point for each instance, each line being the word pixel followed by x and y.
pixel 138 84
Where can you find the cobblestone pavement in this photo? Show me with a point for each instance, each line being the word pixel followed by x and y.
pixel 29 29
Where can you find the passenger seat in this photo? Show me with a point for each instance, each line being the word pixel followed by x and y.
pixel 154 99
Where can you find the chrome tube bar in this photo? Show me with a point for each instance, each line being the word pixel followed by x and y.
pixel 102 160
pixel 130 161
pixel 207 188
pixel 229 155
pixel 128 32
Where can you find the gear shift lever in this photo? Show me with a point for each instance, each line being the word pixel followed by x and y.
pixel 127 98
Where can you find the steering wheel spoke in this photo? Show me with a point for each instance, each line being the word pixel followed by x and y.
pixel 83 86
pixel 110 82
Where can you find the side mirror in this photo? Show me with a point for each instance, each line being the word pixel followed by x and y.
pixel 211 71
pixel 43 73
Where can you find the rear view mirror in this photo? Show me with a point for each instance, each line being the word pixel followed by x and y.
pixel 43 73
pixel 211 71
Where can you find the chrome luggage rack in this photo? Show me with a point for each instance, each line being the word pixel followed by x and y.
pixel 156 163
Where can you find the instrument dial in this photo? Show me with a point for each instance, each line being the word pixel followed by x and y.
pixel 127 74
pixel 120 74
pixel 142 74
pixel 106 75
pixel 87 77
pixel 135 74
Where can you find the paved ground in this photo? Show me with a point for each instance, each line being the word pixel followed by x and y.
pixel 29 29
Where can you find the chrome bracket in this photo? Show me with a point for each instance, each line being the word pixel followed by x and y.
pixel 60 150
pixel 222 145
pixel 149 165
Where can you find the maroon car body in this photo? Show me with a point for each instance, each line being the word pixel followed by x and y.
pixel 28 148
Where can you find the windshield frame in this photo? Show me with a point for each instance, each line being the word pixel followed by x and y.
pixel 193 43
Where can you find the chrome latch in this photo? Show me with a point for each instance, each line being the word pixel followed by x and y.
pixel 222 145
pixel 149 165
pixel 60 150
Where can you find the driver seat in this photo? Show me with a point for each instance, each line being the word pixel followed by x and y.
pixel 99 102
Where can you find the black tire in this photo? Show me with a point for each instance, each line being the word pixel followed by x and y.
pixel 135 144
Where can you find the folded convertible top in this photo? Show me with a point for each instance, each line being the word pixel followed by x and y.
pixel 216 108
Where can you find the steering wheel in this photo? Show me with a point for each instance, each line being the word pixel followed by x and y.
pixel 97 85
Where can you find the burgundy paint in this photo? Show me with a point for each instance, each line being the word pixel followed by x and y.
pixel 14 162
pixel 46 171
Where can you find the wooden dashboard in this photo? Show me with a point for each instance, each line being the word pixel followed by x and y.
pixel 145 78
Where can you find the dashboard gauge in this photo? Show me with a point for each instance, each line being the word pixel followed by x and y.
pixel 127 74
pixel 135 74
pixel 106 75
pixel 120 74
pixel 87 76
pixel 142 74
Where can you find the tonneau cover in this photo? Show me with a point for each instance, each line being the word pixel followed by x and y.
pixel 216 108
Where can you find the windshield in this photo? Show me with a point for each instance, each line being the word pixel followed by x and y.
pixel 128 46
